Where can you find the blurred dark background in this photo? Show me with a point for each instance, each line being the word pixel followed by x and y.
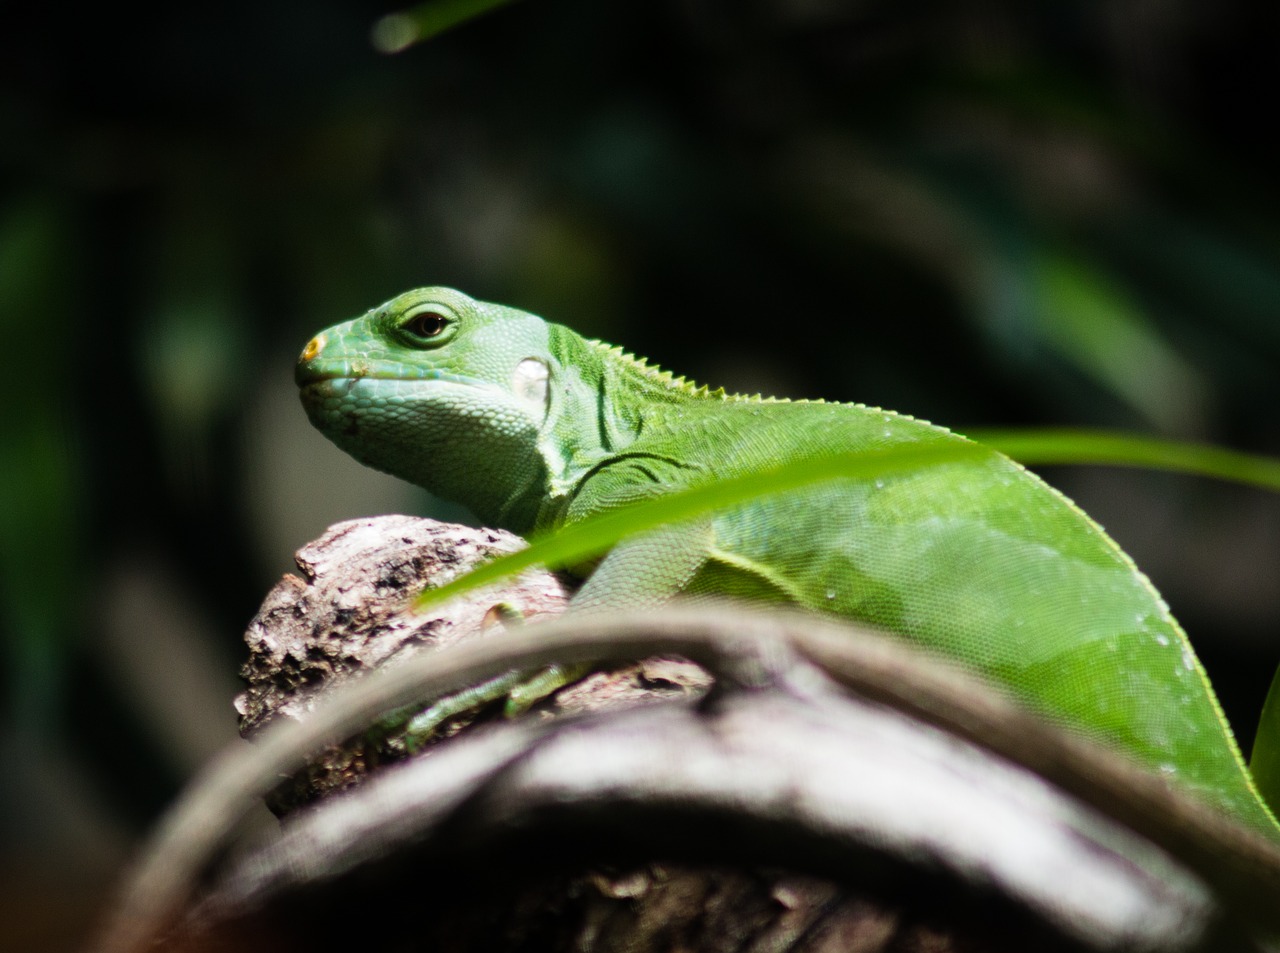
pixel 1004 212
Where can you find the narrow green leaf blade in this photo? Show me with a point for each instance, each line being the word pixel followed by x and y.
pixel 590 538
pixel 396 32
pixel 1037 446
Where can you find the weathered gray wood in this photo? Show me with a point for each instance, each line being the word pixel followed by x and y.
pixel 351 612
pixel 706 826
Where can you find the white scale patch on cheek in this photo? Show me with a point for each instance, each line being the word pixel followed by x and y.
pixel 530 383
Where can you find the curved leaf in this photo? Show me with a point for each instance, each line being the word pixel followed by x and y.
pixel 594 536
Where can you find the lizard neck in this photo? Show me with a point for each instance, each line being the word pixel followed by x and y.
pixel 601 401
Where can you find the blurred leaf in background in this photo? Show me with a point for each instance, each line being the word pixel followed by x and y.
pixel 41 560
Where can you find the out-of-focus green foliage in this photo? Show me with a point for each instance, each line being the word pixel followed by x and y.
pixel 396 32
pixel 1265 761
pixel 40 472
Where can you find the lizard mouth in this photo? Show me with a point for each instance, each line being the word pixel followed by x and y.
pixel 327 386
pixel 314 369
pixel 344 378
pixel 336 385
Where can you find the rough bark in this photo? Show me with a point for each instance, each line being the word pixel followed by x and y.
pixel 351 612
pixel 557 892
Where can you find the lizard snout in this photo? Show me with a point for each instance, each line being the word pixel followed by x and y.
pixel 313 348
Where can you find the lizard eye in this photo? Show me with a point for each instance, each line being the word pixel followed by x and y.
pixel 425 327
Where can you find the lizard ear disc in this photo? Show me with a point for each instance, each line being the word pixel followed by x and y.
pixel 531 384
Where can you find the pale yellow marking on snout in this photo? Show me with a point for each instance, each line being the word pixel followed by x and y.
pixel 313 347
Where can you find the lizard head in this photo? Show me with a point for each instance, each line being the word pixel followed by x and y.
pixel 439 389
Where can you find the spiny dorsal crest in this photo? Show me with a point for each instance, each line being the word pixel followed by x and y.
pixel 683 384
pixel 657 374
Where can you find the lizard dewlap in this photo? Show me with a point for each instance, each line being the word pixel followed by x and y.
pixel 532 427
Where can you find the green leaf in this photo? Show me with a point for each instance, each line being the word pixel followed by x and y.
pixel 592 537
pixel 1090 319
pixel 1034 447
pixel 1265 762
pixel 396 32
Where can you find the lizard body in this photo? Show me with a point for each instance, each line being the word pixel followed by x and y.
pixel 534 427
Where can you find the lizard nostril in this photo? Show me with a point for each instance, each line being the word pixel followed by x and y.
pixel 313 347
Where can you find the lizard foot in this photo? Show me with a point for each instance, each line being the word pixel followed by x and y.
pixel 520 690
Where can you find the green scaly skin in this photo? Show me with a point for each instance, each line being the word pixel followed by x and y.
pixel 533 427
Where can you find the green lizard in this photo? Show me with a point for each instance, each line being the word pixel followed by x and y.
pixel 533 427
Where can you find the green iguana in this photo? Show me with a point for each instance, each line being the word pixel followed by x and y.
pixel 533 427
